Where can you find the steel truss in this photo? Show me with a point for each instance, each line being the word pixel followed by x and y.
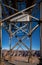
pixel 22 28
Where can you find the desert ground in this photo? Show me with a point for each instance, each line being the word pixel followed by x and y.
pixel 18 58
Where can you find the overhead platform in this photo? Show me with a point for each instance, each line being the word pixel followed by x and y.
pixel 23 17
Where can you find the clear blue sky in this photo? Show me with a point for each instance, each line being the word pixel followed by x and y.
pixel 35 35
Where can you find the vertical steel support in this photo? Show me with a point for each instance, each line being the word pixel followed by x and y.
pixel 41 33
pixel 30 43
pixel 0 35
pixel 30 46
pixel 10 48
pixel 10 43
pixel 0 42
pixel 30 39
pixel 10 37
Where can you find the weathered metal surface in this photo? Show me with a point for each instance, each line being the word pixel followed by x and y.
pixel 0 36
pixel 41 32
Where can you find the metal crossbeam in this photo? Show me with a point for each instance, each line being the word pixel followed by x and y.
pixel 25 45
pixel 15 45
pixel 5 28
pixel 19 46
pixel 31 31
pixel 23 18
pixel 20 41
pixel 19 28
pixel 18 13
pixel 10 7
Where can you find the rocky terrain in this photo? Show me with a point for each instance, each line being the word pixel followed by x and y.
pixel 21 55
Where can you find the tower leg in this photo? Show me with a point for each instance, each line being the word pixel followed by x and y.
pixel 41 33
pixel 0 36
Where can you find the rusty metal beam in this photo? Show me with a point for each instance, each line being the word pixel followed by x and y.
pixel 19 46
pixel 28 34
pixel 18 12
pixel 30 37
pixel 20 41
pixel 10 7
pixel 30 43
pixel 0 42
pixel 20 28
pixel 0 34
pixel 32 30
pixel 25 45
pixel 41 33
pixel 23 18
pixel 15 45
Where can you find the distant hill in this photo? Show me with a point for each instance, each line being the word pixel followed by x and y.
pixel 20 52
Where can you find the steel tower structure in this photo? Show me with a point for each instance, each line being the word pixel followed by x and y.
pixel 10 19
